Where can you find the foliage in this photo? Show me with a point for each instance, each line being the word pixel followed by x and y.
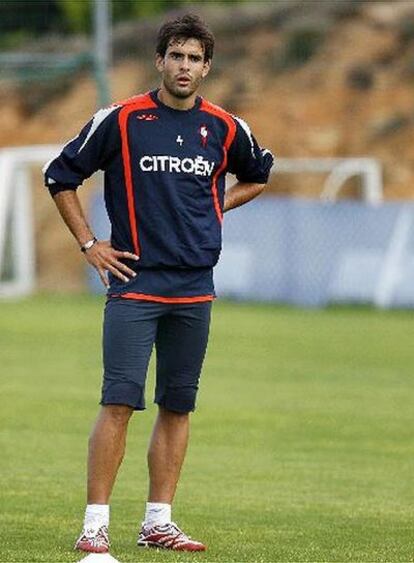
pixel 73 16
pixel 76 14
pixel 303 41
pixel 36 17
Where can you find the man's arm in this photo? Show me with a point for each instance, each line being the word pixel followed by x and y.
pixel 100 255
pixel 241 193
pixel 249 163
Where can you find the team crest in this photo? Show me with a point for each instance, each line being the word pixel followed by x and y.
pixel 204 135
pixel 147 117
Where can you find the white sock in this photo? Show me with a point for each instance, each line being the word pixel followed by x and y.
pixel 157 514
pixel 96 515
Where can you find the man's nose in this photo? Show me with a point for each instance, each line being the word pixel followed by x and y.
pixel 185 63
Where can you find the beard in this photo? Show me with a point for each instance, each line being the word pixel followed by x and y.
pixel 181 92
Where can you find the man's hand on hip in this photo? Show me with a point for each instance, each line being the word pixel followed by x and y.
pixel 105 259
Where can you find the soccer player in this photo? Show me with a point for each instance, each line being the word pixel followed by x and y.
pixel 165 155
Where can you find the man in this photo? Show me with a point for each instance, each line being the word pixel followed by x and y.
pixel 165 155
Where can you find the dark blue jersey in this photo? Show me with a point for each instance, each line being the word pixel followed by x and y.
pixel 164 187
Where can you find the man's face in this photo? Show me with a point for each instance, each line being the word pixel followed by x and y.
pixel 183 67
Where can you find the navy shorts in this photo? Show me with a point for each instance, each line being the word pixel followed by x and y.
pixel 180 335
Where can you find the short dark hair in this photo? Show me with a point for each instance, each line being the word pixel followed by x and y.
pixel 188 26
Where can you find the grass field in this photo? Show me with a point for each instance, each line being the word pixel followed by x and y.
pixel 302 446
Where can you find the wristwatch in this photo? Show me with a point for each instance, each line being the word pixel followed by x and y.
pixel 88 244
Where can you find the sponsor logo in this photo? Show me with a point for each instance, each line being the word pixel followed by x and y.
pixel 164 163
pixel 147 117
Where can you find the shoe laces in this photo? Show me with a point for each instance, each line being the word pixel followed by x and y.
pixel 174 526
pixel 170 527
pixel 98 535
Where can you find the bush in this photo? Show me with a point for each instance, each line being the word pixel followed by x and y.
pixel 303 38
pixel 360 78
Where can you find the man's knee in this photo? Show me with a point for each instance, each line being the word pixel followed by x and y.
pixel 117 414
pixel 173 414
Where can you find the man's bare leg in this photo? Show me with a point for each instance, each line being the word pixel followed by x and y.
pixel 166 454
pixel 106 451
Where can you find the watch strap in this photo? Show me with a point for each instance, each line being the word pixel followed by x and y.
pixel 88 244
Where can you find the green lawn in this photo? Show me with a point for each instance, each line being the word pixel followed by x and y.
pixel 302 446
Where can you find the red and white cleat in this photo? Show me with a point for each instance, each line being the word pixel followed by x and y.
pixel 168 536
pixel 94 541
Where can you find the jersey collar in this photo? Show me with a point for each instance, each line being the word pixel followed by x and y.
pixel 155 99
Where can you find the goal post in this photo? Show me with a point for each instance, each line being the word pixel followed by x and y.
pixel 17 248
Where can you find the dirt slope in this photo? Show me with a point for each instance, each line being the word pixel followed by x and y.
pixel 311 79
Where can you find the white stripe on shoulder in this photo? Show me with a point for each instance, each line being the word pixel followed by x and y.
pixel 246 129
pixel 98 118
pixel 49 162
pixel 266 151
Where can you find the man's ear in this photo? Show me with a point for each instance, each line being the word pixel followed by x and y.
pixel 206 68
pixel 159 62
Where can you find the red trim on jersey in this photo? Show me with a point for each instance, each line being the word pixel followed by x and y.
pixel 160 299
pixel 231 133
pixel 143 101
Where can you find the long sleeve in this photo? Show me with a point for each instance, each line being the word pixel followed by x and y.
pixel 90 151
pixel 248 161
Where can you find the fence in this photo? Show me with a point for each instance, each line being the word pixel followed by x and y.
pixel 310 253
pixel 313 254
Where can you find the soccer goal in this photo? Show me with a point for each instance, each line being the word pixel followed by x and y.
pixel 337 171
pixel 17 252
